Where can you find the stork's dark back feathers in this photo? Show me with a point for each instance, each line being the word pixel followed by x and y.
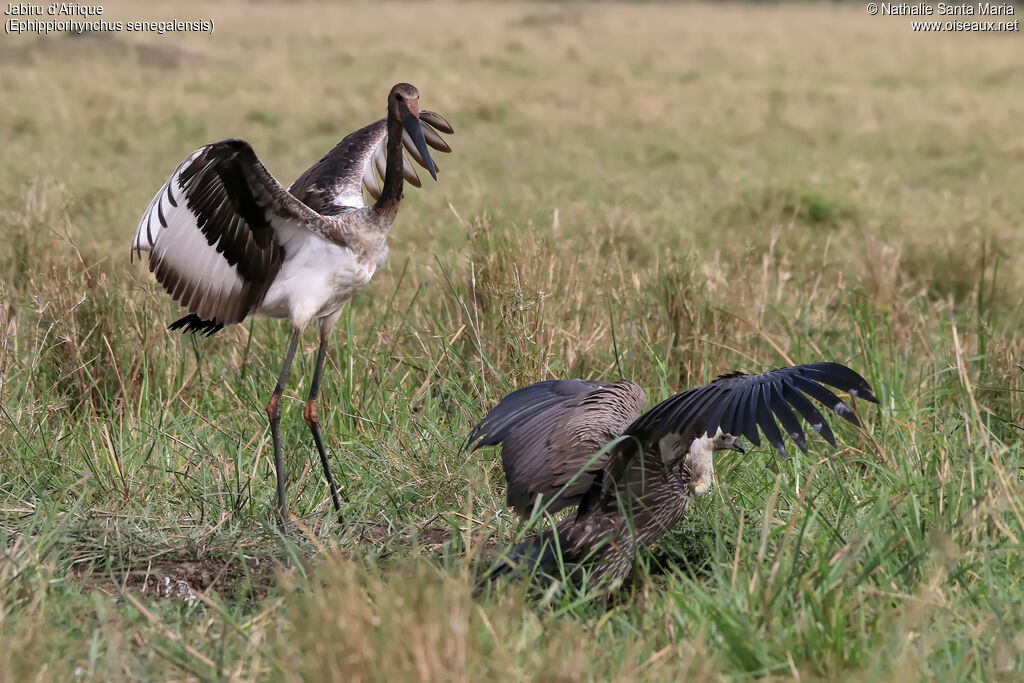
pixel 632 475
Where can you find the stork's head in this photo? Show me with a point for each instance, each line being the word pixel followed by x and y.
pixel 404 105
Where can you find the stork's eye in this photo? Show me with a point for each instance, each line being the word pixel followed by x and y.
pixel 399 97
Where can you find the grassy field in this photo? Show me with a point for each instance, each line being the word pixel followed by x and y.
pixel 661 193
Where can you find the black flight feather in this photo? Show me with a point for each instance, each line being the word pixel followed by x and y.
pixel 193 324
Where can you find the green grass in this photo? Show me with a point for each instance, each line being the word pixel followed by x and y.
pixel 661 193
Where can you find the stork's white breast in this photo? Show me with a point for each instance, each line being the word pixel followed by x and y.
pixel 316 279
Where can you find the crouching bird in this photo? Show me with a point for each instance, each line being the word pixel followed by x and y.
pixel 631 474
pixel 226 240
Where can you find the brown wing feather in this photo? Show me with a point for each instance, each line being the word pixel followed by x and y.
pixel 552 434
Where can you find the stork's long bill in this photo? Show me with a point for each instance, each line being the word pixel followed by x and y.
pixel 411 122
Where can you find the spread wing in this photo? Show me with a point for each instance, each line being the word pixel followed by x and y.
pixel 550 433
pixel 337 180
pixel 742 404
pixel 212 231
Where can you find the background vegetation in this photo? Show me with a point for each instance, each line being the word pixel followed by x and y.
pixel 661 193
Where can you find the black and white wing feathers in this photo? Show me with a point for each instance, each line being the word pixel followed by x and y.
pixel 212 231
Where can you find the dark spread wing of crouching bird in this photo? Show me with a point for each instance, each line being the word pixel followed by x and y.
pixel 226 240
pixel 631 474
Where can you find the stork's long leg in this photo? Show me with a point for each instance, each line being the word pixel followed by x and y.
pixel 274 413
pixel 313 420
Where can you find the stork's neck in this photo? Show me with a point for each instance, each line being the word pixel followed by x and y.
pixel 391 193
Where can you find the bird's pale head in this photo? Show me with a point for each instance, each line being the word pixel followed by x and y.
pixel 698 455
pixel 701 464
pixel 728 442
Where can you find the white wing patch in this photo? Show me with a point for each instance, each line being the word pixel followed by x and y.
pixel 205 280
pixel 167 201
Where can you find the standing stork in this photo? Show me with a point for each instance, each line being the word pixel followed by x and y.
pixel 225 239
pixel 632 474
